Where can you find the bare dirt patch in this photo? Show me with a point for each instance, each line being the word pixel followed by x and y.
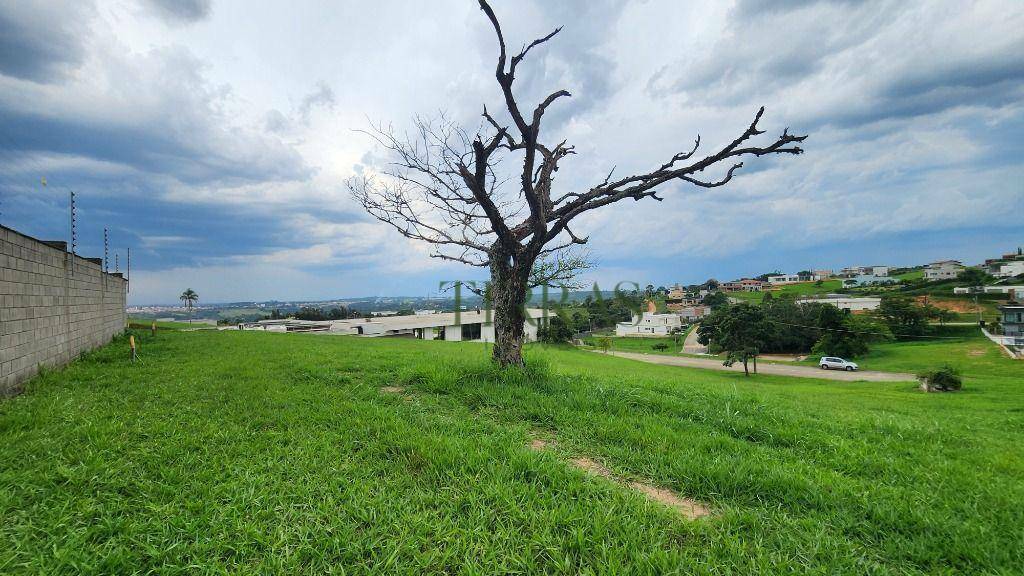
pixel 392 389
pixel 540 444
pixel 951 305
pixel 691 509
pixel 688 508
pixel 685 506
pixel 588 465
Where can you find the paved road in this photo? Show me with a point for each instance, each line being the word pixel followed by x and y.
pixel 763 368
pixel 691 346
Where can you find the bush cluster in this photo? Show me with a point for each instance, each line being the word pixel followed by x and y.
pixel 943 379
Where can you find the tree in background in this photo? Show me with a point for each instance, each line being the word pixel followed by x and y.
pixel 189 297
pixel 556 330
pixel 793 324
pixel 973 277
pixel 446 187
pixel 715 300
pixel 942 315
pixel 904 317
pixel 310 313
pixel 847 335
pixel 742 332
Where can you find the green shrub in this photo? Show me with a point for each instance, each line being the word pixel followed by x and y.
pixel 660 346
pixel 943 379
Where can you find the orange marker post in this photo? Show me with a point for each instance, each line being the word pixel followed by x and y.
pixel 152 328
pixel 131 344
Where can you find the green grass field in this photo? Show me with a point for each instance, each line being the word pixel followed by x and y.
pixel 145 323
pixel 799 289
pixel 647 345
pixel 254 453
pixel 963 347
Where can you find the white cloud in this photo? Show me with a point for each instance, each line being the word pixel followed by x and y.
pixel 247 114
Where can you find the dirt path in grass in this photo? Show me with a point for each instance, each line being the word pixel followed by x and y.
pixel 763 368
pixel 692 346
pixel 689 508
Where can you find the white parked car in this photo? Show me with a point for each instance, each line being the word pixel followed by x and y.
pixel 835 363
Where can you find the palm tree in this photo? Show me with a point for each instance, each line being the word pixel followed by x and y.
pixel 189 297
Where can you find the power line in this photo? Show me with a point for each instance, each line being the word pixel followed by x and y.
pixel 868 332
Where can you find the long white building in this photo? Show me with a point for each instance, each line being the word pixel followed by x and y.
pixel 845 302
pixel 471 325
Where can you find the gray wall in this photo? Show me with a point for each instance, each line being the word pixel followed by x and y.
pixel 49 315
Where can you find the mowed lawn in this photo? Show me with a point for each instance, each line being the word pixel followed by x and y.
pixel 243 452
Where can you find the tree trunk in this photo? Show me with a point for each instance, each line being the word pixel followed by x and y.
pixel 755 364
pixel 508 293
pixel 746 372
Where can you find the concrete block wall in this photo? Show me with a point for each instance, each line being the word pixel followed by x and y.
pixel 49 313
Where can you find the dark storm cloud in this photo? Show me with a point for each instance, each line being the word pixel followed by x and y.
pixel 176 125
pixel 569 61
pixel 874 61
pixel 321 97
pixel 41 41
pixel 181 11
pixel 750 9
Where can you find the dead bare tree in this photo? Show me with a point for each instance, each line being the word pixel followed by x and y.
pixel 445 187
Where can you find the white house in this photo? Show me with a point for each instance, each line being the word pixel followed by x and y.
pixel 649 325
pixel 1007 269
pixel 865 271
pixel 846 302
pixel 867 280
pixel 692 313
pixel 943 270
pixel 1003 289
pixel 783 279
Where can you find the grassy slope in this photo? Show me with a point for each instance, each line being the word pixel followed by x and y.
pixel 799 289
pixel 964 347
pixel 645 345
pixel 256 452
pixel 145 323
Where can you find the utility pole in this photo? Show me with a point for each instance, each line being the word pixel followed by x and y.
pixel 74 232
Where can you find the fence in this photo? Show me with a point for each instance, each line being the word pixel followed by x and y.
pixel 53 306
pixel 1011 345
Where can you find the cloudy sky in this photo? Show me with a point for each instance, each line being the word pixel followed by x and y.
pixel 214 137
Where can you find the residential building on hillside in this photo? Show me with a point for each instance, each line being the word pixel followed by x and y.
pixel 1013 262
pixel 1004 268
pixel 820 274
pixel 853 271
pixel 867 280
pixel 693 313
pixel 744 285
pixel 783 279
pixel 679 298
pixel 649 324
pixel 845 302
pixel 1004 289
pixel 943 270
pixel 1012 319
